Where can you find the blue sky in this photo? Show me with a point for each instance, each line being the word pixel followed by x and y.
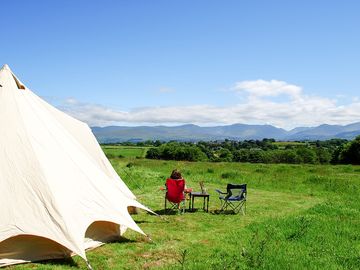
pixel 285 63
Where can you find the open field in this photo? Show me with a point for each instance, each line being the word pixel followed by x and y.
pixel 113 151
pixel 287 144
pixel 298 217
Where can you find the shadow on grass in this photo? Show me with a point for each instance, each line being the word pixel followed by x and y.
pixel 142 221
pixel 197 210
pixel 169 212
pixel 121 240
pixel 68 261
pixel 224 212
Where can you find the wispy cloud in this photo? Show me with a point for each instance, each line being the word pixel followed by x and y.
pixel 258 107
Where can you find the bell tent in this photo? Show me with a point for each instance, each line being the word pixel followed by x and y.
pixel 59 194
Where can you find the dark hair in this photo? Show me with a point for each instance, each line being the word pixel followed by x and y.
pixel 175 174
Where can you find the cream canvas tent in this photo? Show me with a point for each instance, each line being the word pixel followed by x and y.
pixel 59 195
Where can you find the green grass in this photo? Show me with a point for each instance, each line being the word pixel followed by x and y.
pixel 285 144
pixel 114 151
pixel 298 217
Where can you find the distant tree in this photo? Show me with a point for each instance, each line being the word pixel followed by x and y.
pixel 307 155
pixel 289 146
pixel 241 155
pixel 351 152
pixel 256 151
pixel 177 151
pixel 285 156
pixel 323 155
pixel 153 153
pixel 157 143
pixel 225 155
pixel 195 154
pixel 257 156
pixel 335 158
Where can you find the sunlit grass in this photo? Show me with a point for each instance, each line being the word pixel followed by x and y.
pixel 114 151
pixel 298 217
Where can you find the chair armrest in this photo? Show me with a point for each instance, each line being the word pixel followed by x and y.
pixel 220 192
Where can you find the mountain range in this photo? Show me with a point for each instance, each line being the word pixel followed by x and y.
pixel 113 134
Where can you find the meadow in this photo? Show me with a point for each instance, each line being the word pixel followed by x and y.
pixel 298 217
pixel 116 151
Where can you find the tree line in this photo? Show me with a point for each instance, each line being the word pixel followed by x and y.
pixel 334 151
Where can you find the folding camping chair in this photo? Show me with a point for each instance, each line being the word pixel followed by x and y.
pixel 175 195
pixel 234 198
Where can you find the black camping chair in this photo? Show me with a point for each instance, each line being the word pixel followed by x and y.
pixel 234 198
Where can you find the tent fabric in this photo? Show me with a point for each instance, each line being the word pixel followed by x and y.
pixel 59 195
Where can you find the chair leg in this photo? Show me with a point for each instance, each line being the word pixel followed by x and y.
pixel 235 206
pixel 226 205
pixel 222 205
pixel 241 206
pixel 181 206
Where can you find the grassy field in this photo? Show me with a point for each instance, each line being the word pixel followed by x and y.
pixel 298 217
pixel 114 151
pixel 282 145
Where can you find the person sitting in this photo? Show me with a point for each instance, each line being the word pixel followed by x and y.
pixel 176 175
pixel 175 190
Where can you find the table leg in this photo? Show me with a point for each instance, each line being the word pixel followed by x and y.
pixel 189 201
pixel 192 203
pixel 207 206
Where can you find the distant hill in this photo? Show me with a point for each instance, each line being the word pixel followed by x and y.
pixel 325 132
pixel 113 134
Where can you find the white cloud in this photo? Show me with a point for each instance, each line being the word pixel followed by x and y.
pixel 256 108
pixel 71 101
pixel 261 88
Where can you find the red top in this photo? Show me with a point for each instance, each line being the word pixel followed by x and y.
pixel 175 190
